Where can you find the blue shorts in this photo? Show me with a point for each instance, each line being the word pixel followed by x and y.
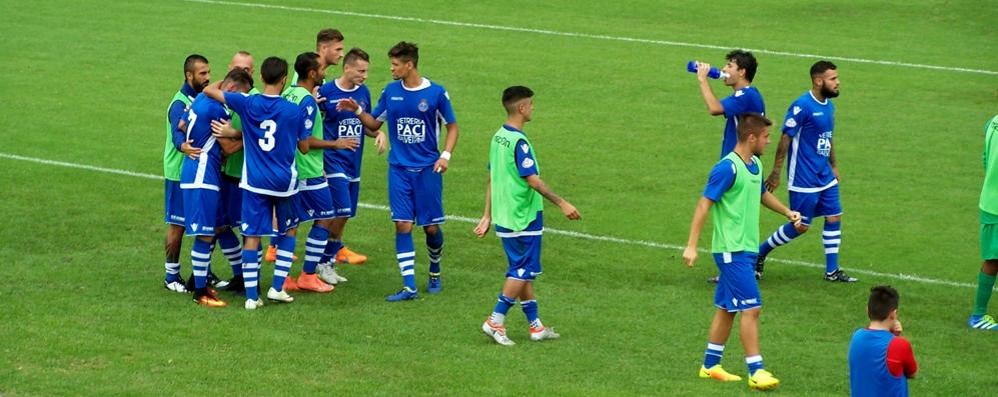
pixel 312 201
pixel 416 195
pixel 259 211
pixel 737 290
pixel 523 249
pixel 173 203
pixel 817 204
pixel 232 202
pixel 345 194
pixel 203 210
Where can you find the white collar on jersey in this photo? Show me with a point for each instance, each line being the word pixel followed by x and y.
pixel 825 102
pixel 423 84
pixel 355 88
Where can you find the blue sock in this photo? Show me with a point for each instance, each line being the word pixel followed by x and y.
pixel 406 254
pixel 251 273
pixel 332 247
pixel 832 237
pixel 781 236
pixel 435 246
pixel 713 355
pixel 276 240
pixel 754 363
pixel 530 310
pixel 502 307
pixel 285 258
pixel 232 250
pixel 200 258
pixel 172 272
pixel 315 246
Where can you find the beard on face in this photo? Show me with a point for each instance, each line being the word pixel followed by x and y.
pixel 828 93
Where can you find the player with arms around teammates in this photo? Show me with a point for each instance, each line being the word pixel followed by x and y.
pixel 201 179
pixel 272 129
pixel 413 107
pixel 732 196
pixel 342 166
pixel 979 319
pixel 514 200
pixel 812 173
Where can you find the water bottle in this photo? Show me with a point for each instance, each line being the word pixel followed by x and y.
pixel 713 73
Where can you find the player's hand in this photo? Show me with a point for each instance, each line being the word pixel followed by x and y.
pixel 191 151
pixel 896 329
pixel 795 217
pixel 380 141
pixel 441 165
pixel 702 69
pixel 347 143
pixel 690 255
pixel 319 99
pixel 347 104
pixel 223 129
pixel 569 210
pixel 182 124
pixel 483 226
pixel 773 182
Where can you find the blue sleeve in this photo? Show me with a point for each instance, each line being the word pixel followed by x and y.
pixel 735 104
pixel 796 116
pixel 525 163
pixel 307 108
pixel 445 108
pixel 381 108
pixel 722 176
pixel 236 101
pixel 177 112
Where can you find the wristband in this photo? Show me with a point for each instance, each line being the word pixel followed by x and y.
pixel 359 111
pixel 445 155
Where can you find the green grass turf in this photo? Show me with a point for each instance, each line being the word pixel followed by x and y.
pixel 621 131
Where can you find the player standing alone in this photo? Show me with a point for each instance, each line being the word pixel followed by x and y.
pixel 880 360
pixel 979 319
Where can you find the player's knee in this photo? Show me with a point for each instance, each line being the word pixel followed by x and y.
pixel 752 313
pixel 432 230
pixel 833 219
pixel 801 228
pixel 403 227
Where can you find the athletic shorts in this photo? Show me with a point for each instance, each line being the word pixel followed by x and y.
pixel 416 195
pixel 523 249
pixel 232 202
pixel 817 204
pixel 202 207
pixel 989 236
pixel 312 201
pixel 737 289
pixel 258 214
pixel 345 193
pixel 173 203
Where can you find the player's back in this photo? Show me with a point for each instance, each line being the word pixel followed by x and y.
pixel 204 172
pixel 343 125
pixel 810 123
pixel 272 127
pixel 414 117
pixel 868 373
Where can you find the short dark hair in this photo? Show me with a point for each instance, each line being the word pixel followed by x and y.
pixel 883 300
pixel 744 60
pixel 244 53
pixel 273 70
pixel 751 124
pixel 306 62
pixel 328 35
pixel 514 94
pixel 405 52
pixel 241 77
pixel 192 60
pixel 820 67
pixel 354 54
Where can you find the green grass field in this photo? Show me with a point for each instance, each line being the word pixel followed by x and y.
pixel 623 134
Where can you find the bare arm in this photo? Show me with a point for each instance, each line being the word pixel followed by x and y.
pixel 486 222
pixel 379 139
pixel 567 208
pixel 342 143
pixel 713 105
pixel 366 118
pixel 699 218
pixel 451 141
pixel 773 181
pixel 303 145
pixel 214 91
pixel 832 162
pixel 230 145
pixel 774 204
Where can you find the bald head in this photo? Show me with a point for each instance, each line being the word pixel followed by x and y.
pixel 242 60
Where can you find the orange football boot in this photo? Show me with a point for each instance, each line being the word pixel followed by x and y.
pixel 345 255
pixel 311 282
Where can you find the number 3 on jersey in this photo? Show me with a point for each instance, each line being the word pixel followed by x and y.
pixel 267 142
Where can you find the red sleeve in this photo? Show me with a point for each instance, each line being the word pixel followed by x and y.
pixel 900 358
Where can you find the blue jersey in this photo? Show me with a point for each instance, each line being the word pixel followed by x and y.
pixel 272 127
pixel 868 372
pixel 206 171
pixel 413 116
pixel 810 124
pixel 345 124
pixel 745 100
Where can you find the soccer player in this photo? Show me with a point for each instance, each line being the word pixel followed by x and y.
pixel 514 199
pixel 197 73
pixel 201 180
pixel 740 71
pixel 880 359
pixel 979 319
pixel 313 201
pixel 413 107
pixel 329 46
pixel 272 128
pixel 812 174
pixel 342 167
pixel 734 190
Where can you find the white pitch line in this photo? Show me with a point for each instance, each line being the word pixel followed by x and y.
pixel 584 236
pixel 596 36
